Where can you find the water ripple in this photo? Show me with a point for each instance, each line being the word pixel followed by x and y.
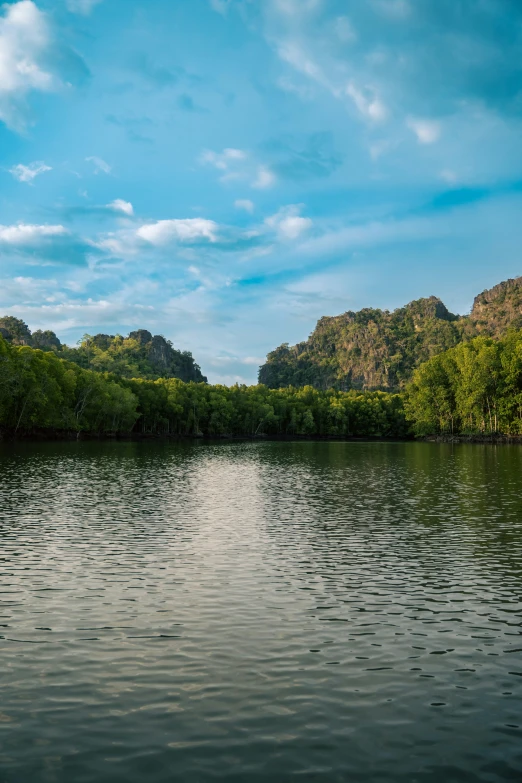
pixel 200 612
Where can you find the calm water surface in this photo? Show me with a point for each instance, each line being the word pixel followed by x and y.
pixel 260 612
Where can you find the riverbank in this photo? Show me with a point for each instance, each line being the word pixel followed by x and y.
pixel 48 434
pixel 496 438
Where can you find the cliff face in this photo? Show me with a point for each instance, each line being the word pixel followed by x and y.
pixel 498 309
pixel 368 349
pixel 15 331
pixel 378 349
pixel 139 355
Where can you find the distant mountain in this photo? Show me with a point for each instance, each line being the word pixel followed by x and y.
pixel 140 355
pixel 378 349
pixel 499 309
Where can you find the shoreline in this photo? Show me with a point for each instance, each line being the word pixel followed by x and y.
pixel 37 435
pixel 494 438
pixel 50 435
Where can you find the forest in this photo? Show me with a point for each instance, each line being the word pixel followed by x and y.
pixel 458 376
pixel 40 390
pixel 473 388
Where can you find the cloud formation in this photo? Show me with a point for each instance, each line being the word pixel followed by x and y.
pixel 397 122
pixel 236 164
pixel 224 160
pixel 162 232
pixel 28 173
pixel 24 43
pixel 288 223
pixel 28 235
pixel 45 244
pixel 31 61
pixel 119 205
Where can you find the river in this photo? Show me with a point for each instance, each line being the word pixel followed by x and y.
pixel 260 612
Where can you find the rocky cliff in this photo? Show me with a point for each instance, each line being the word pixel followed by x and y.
pixel 498 309
pixel 140 355
pixel 378 349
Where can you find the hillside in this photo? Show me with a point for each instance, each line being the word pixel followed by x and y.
pixel 378 349
pixel 140 355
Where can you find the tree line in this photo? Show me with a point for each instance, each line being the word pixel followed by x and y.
pixel 38 389
pixel 473 388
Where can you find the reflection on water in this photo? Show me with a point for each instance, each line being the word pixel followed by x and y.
pixel 255 612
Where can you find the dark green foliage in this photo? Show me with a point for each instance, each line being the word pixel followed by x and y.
pixel 45 341
pixel 39 389
pixel 376 349
pixel 474 388
pixel 138 355
pixel 170 406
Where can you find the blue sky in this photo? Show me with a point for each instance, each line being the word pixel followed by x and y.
pixel 225 172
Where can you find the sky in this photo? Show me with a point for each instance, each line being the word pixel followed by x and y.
pixel 226 172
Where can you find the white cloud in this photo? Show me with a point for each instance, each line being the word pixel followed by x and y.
pixel 264 178
pixel 119 205
pixel 367 102
pixel 373 234
pixel 189 229
pixel 71 314
pixel 287 222
pixel 426 131
pixel 117 244
pixel 25 234
pixel 28 173
pixel 235 165
pixel 99 165
pixel 223 160
pixel 24 44
pixel 244 203
pixel 81 6
pixel 25 289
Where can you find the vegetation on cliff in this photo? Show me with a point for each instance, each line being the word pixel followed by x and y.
pixel 40 390
pixel 466 378
pixel 139 355
pixel 378 349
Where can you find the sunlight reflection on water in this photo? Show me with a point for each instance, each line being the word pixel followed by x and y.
pixel 194 612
